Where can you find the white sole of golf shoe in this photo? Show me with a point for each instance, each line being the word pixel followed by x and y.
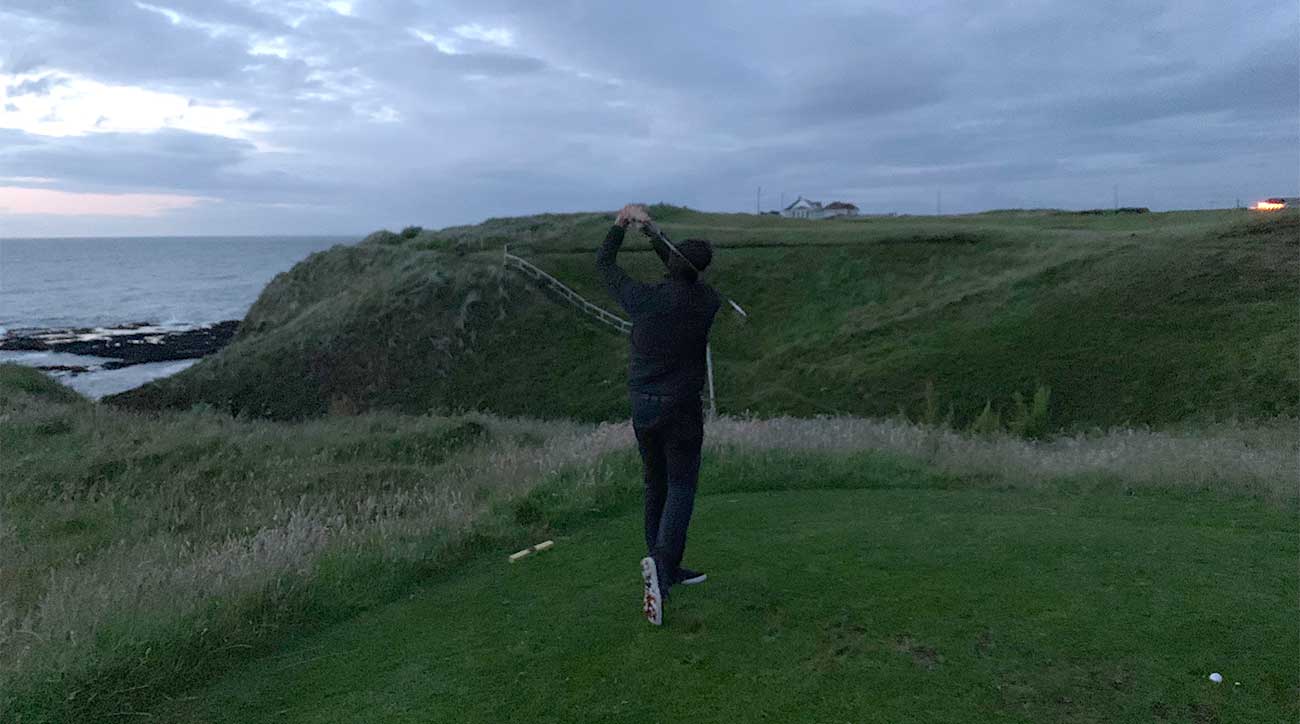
pixel 694 581
pixel 652 603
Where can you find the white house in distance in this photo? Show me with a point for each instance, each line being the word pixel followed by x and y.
pixel 806 209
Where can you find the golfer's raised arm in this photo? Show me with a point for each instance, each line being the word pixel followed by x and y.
pixel 625 290
pixel 661 249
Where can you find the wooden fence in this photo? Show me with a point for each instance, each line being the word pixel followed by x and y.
pixel 559 287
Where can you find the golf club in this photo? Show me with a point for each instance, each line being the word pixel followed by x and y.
pixel 651 229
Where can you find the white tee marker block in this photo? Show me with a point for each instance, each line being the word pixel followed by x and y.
pixel 531 549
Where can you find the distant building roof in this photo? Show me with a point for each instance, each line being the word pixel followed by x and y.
pixel 805 202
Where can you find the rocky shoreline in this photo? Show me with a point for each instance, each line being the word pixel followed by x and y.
pixel 122 346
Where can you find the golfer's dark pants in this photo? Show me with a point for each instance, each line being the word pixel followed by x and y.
pixel 669 433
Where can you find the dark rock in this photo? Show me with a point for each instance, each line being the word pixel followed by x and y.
pixel 126 346
pixel 23 344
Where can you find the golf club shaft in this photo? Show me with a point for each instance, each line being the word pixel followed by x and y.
pixel 652 229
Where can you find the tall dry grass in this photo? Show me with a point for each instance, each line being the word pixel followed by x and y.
pixel 159 564
pixel 119 530
pixel 1258 458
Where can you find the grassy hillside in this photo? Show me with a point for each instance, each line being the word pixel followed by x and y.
pixel 1151 319
pixel 146 554
pixel 141 553
pixel 397 328
pixel 1137 319
pixel 157 544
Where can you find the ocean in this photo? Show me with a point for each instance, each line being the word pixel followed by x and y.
pixel 173 283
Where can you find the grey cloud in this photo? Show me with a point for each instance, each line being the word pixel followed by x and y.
pixel 245 17
pixel 24 60
pixel 857 97
pixel 35 86
pixel 166 161
pixel 119 42
pixel 417 62
pixel 1257 83
pixel 491 63
pixel 695 102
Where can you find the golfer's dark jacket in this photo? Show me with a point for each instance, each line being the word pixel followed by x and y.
pixel 670 323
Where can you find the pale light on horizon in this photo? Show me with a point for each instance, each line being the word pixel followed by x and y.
pixel 17 200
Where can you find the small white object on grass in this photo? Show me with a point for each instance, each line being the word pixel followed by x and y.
pixel 1216 677
pixel 531 549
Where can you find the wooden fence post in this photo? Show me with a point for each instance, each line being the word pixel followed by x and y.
pixel 713 400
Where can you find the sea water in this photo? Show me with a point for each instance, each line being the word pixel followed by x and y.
pixel 173 282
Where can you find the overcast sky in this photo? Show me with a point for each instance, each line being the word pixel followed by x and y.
pixel 325 116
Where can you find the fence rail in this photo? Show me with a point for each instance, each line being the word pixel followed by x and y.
pixel 574 298
pixel 598 313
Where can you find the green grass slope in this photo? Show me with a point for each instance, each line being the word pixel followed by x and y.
pixel 1139 319
pixel 885 594
pixel 1145 319
pixel 399 328
pixel 141 553
pixel 145 555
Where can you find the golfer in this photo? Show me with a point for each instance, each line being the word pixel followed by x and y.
pixel 666 374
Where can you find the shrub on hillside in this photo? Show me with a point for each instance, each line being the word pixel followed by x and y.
pixel 989 422
pixel 411 232
pixel 1121 210
pixel 1031 420
pixel 1028 419
pixel 383 236
pixel 667 212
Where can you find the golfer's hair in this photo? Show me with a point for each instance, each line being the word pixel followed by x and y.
pixel 699 251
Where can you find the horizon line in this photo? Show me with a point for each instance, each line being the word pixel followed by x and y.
pixel 363 234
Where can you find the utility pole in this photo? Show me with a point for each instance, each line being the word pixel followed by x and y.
pixel 758 201
pixel 1117 197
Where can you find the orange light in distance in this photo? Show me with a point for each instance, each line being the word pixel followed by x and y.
pixel 1269 206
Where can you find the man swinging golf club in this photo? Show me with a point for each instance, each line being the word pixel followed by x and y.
pixel 666 374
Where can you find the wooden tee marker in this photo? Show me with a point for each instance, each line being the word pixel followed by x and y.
pixel 531 549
